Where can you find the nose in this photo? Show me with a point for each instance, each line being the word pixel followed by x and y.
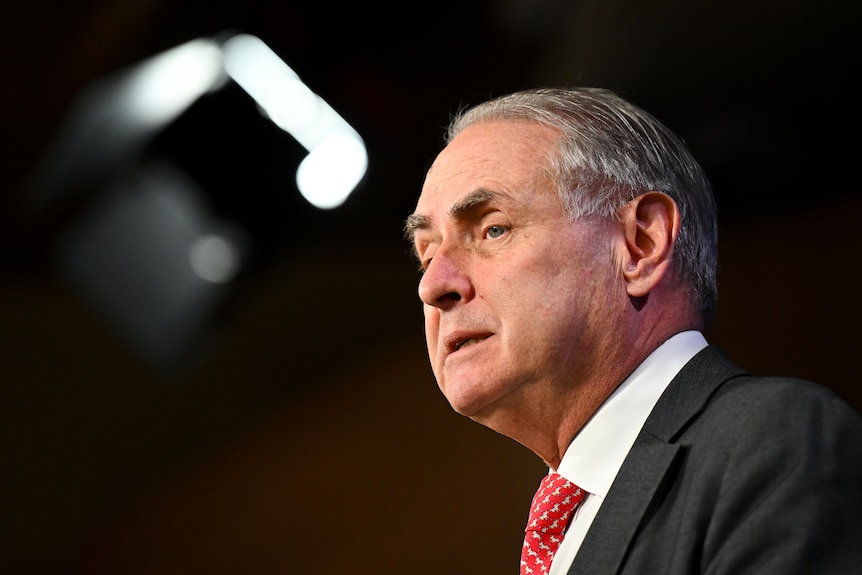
pixel 445 282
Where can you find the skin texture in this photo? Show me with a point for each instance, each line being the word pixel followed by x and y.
pixel 555 313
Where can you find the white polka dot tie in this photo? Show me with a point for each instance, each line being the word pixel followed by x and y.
pixel 550 514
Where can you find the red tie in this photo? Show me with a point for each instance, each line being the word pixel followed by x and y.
pixel 550 513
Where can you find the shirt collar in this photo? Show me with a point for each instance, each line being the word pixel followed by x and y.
pixel 596 454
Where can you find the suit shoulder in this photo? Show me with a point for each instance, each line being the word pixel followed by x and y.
pixel 761 398
pixel 779 419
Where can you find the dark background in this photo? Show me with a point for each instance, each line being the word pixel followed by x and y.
pixel 293 430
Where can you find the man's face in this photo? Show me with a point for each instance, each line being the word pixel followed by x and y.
pixel 515 294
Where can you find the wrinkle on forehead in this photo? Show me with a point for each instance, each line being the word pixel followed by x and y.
pixel 483 143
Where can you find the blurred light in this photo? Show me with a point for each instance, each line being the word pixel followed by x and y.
pixel 337 158
pixel 159 89
pixel 114 118
pixel 293 107
pixel 129 257
pixel 317 178
pixel 145 246
pixel 214 258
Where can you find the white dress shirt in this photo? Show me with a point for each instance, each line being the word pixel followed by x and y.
pixel 595 456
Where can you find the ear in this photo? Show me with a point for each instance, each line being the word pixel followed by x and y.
pixel 650 227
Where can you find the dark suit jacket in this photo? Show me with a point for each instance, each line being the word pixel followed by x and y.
pixel 734 474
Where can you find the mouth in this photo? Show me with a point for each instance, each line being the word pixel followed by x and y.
pixel 457 342
pixel 468 342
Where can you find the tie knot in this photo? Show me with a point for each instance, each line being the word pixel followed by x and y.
pixel 553 504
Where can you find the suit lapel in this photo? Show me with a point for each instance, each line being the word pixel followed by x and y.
pixel 649 464
pixel 607 541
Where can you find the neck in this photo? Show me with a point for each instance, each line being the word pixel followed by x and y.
pixel 579 402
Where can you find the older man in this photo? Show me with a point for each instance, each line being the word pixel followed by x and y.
pixel 568 247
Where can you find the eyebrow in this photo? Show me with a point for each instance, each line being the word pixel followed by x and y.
pixel 462 207
pixel 414 223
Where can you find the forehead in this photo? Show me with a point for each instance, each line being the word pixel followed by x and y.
pixel 507 156
pixel 488 164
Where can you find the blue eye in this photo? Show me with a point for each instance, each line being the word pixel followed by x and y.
pixel 495 231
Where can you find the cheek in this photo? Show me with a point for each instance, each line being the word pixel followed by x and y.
pixel 432 328
pixel 562 303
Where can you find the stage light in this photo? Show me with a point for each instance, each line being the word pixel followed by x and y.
pixel 182 186
pixel 337 159
pixel 319 180
pixel 114 118
pixel 164 86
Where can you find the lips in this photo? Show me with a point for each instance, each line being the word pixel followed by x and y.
pixel 468 342
pixel 457 341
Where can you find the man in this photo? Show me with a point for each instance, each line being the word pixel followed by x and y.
pixel 569 249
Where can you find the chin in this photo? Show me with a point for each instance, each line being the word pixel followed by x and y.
pixel 466 406
pixel 462 408
pixel 479 408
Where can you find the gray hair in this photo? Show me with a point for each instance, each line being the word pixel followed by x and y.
pixel 610 152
